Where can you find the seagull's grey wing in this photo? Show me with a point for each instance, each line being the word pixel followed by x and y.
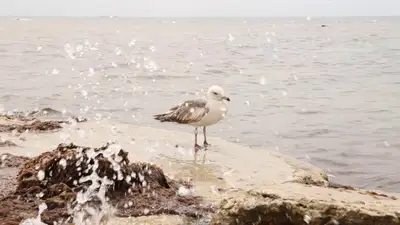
pixel 188 112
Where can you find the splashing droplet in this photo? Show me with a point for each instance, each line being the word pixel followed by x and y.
pixel 132 43
pixel 55 71
pixel 230 37
pixel 41 175
pixel 118 51
pixel 263 81
pixel 386 144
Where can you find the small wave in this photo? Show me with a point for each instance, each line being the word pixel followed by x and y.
pixel 247 46
pixel 162 77
pixel 333 162
pixel 318 132
pixel 217 71
pixel 308 112
pixel 307 134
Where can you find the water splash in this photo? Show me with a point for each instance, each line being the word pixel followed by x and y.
pixel 37 220
pixel 82 211
pixel 69 50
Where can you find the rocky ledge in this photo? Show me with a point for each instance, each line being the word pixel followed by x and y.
pixel 19 122
pixel 62 177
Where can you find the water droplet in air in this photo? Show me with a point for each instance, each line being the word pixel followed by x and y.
pixel 78 48
pixel 230 37
pixel 307 219
pixel 63 163
pixel 91 72
pixel 386 144
pixel 132 43
pixel 98 116
pixel 55 71
pixel 247 103
pixel 39 195
pixel 39 48
pixel 84 93
pixel 263 80
pixel 118 51
pixel 184 191
pixel 69 50
pixel 41 175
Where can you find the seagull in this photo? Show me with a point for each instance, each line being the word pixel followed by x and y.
pixel 199 113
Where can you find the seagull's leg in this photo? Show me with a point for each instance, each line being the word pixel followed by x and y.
pixel 205 138
pixel 196 146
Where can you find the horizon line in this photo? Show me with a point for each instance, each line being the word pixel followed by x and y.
pixel 198 17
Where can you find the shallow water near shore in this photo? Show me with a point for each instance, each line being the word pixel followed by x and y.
pixel 327 95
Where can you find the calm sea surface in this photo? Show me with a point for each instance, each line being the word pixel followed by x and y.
pixel 329 94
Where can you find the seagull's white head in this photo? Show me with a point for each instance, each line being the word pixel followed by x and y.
pixel 217 93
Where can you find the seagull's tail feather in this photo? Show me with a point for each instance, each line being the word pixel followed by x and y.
pixel 165 117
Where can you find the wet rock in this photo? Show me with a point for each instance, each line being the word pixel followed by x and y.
pixel 57 177
pixel 8 170
pixel 308 180
pixel 252 209
pixel 44 112
pixel 34 125
pixel 28 121
pixel 8 160
pixel 7 143
pixel 49 112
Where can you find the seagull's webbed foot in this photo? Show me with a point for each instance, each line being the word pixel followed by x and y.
pixel 196 148
pixel 206 144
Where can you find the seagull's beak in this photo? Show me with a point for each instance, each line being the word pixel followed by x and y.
pixel 226 98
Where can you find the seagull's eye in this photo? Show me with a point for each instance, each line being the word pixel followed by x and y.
pixel 215 93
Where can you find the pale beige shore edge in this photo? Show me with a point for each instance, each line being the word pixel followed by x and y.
pixel 251 178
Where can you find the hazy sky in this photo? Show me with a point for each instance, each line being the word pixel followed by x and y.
pixel 199 7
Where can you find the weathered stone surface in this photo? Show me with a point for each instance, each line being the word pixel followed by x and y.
pixel 262 208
